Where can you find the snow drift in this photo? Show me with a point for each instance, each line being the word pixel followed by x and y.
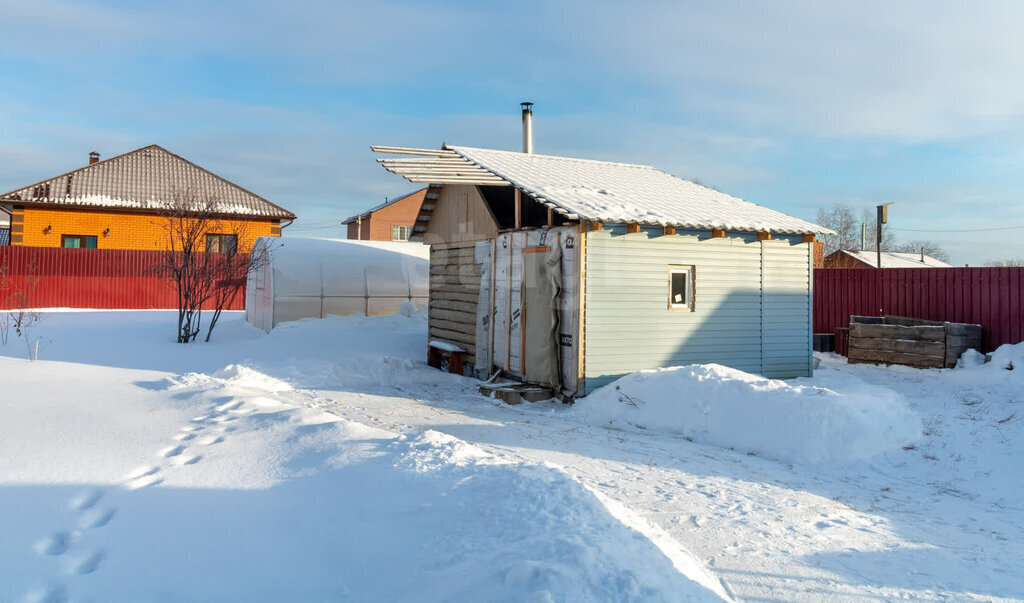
pixel 787 421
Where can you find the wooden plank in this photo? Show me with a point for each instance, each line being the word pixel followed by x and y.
pixel 882 357
pixel 717 233
pixel 461 306
pixel 454 336
pixel 897 332
pixel 912 322
pixel 456 316
pixel 764 236
pixel 956 329
pixel 455 270
pixel 924 348
pixel 543 249
pixel 632 227
pixel 668 230
pixel 469 280
pixel 455 296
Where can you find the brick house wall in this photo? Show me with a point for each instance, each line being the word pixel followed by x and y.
pixel 43 227
pixel 378 225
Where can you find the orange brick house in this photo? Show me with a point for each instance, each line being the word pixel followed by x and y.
pixel 123 203
pixel 394 220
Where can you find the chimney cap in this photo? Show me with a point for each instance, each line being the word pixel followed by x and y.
pixel 526 105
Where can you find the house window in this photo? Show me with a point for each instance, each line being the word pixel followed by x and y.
pixel 400 233
pixel 680 288
pixel 78 242
pixel 221 243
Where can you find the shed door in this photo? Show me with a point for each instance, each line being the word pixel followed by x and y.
pixel 542 279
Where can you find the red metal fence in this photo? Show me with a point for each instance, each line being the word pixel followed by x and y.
pixel 991 297
pixel 47 277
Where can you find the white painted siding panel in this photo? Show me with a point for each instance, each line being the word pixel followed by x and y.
pixel 629 326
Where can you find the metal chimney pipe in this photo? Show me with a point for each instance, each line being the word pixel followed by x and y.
pixel 527 127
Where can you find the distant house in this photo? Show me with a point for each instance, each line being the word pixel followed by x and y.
pixel 569 273
pixel 394 220
pixel 848 258
pixel 121 203
pixel 5 225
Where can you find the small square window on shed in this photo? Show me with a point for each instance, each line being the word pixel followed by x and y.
pixel 680 288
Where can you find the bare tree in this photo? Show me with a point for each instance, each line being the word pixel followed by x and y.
pixel 841 219
pixel 16 300
pixel 869 217
pixel 203 260
pixel 1006 262
pixel 926 247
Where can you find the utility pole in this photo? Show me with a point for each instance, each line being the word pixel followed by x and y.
pixel 881 218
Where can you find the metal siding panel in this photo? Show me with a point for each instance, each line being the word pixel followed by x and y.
pixel 630 328
pixel 94 278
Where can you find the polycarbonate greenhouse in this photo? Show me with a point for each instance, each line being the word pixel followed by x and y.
pixel 316 278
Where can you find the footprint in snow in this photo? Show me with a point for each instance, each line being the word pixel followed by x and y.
pixel 143 471
pixel 84 500
pixel 144 482
pixel 84 564
pixel 184 437
pixel 95 518
pixel 187 459
pixel 53 593
pixel 211 440
pixel 57 544
pixel 233 404
pixel 172 451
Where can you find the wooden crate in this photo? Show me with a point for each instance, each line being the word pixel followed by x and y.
pixel 909 341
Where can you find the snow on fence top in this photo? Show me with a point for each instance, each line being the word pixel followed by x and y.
pixel 145 179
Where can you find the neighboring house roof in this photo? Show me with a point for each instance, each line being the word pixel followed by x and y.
pixel 5 236
pixel 895 259
pixel 366 213
pixel 597 190
pixel 146 179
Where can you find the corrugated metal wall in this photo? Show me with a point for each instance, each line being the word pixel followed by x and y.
pixel 991 297
pixel 628 326
pixel 88 278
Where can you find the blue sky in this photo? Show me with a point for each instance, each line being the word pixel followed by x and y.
pixel 791 105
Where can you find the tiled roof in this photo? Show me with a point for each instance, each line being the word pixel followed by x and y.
pixel 621 192
pixel 146 179
pixel 421 192
pixel 896 259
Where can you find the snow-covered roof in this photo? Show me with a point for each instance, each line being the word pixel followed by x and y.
pixel 622 192
pixel 146 179
pixel 896 259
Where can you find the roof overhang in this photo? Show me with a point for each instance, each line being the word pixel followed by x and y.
pixel 429 166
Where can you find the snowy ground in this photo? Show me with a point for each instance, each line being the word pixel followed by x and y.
pixel 324 461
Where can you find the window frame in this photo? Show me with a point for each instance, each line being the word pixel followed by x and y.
pixel 401 228
pixel 688 304
pixel 221 238
pixel 83 241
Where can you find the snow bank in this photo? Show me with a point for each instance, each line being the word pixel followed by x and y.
pixel 1009 357
pixel 844 421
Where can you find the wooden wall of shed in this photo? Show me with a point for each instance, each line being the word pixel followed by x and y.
pixel 454 294
pixel 460 216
